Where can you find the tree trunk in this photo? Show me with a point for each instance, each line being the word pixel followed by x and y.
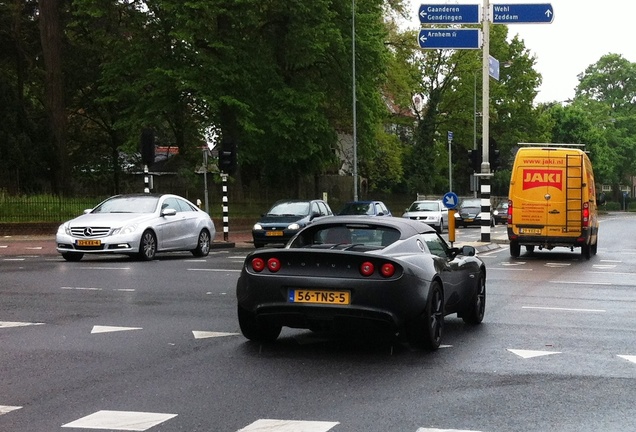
pixel 51 40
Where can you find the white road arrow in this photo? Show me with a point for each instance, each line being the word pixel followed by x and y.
pixel 106 329
pixel 5 324
pixel 208 334
pixel 631 358
pixel 526 354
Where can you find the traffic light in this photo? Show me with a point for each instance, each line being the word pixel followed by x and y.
pixel 493 155
pixel 227 159
pixel 474 157
pixel 147 146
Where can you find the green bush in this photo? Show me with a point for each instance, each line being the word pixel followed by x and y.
pixel 611 206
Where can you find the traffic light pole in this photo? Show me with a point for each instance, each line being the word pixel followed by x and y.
pixel 485 110
pixel 226 218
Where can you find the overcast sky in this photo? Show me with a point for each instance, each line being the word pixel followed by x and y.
pixel 581 32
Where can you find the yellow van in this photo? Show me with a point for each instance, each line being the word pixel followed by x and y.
pixel 552 200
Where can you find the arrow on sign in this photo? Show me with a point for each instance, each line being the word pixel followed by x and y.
pixel 522 13
pixel 441 38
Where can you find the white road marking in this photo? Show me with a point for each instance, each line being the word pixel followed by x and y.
pixel 208 334
pixel 120 420
pixel 7 324
pixel 604 266
pixel 107 329
pixel 81 288
pixel 631 358
pixel 581 283
pixel 557 264
pixel 104 268
pixel 270 425
pixel 614 261
pixel 613 273
pixel 6 409
pixel 444 430
pixel 510 269
pixel 13 259
pixel 563 309
pixel 34 248
pixel 4 246
pixel 526 354
pixel 214 270
pixel 516 263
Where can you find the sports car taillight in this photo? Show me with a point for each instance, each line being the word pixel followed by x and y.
pixel 367 268
pixel 273 264
pixel 258 264
pixel 387 270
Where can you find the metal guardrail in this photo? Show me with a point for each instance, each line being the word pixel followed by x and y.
pixel 20 209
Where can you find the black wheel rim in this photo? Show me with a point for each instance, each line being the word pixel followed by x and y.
pixel 437 315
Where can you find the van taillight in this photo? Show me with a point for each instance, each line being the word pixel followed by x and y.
pixel 510 212
pixel 585 215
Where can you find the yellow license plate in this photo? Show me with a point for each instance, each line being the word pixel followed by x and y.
pixel 320 297
pixel 530 230
pixel 274 233
pixel 89 242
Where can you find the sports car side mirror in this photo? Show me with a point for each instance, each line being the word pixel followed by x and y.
pixel 467 250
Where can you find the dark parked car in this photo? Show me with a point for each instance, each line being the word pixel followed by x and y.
pixel 501 213
pixel 138 225
pixel 469 213
pixel 368 208
pixel 285 219
pixel 392 275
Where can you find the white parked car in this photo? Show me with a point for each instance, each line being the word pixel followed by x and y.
pixel 138 225
pixel 431 212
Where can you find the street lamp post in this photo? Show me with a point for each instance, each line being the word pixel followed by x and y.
pixel 450 162
pixel 353 77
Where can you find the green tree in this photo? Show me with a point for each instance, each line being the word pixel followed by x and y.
pixel 606 92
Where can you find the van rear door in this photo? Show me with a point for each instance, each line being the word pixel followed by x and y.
pixel 542 196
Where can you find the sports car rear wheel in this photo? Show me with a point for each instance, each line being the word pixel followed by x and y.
pixel 475 312
pixel 203 244
pixel 147 246
pixel 427 330
pixel 255 331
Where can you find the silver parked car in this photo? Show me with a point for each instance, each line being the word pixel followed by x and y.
pixel 431 212
pixel 138 225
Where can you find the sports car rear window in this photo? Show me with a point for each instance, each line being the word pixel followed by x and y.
pixel 342 235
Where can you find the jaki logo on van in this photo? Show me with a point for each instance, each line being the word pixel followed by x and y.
pixel 533 178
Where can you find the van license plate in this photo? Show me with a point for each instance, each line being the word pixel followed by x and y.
pixel 530 230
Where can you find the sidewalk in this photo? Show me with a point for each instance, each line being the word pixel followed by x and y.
pixel 44 244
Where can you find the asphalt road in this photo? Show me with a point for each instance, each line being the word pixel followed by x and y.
pixel 114 344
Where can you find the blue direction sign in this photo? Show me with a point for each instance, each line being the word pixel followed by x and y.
pixel 521 13
pixel 449 14
pixel 450 200
pixel 442 38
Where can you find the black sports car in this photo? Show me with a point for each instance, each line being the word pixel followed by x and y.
pixel 361 273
